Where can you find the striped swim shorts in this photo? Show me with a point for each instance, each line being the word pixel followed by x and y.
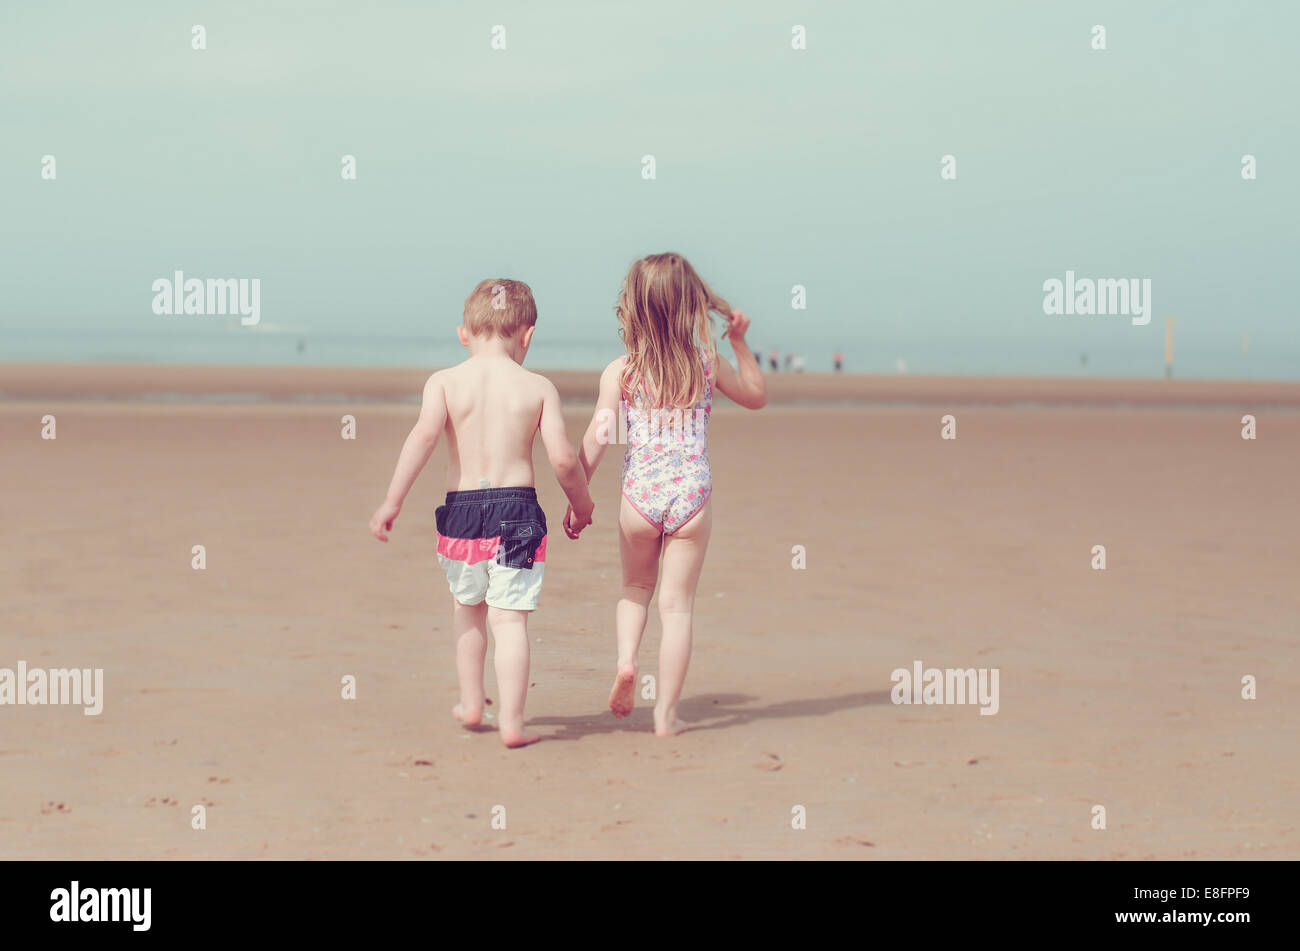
pixel 492 546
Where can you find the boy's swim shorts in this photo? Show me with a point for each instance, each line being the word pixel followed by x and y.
pixel 492 546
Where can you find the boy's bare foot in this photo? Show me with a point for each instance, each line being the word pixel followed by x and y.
pixel 469 717
pixel 514 739
pixel 623 696
pixel 669 725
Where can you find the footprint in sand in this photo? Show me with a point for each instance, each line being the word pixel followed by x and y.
pixel 52 808
pixel 851 840
pixel 774 763
pixel 409 761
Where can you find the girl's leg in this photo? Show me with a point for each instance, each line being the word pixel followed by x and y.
pixel 638 545
pixel 468 624
pixel 510 629
pixel 683 558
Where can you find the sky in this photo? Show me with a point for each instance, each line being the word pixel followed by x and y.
pixel 774 167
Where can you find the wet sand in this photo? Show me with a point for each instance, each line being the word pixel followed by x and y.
pixel 1119 688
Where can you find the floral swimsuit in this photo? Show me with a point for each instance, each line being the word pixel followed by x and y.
pixel 666 473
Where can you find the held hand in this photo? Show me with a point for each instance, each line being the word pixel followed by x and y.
pixel 736 329
pixel 383 519
pixel 574 524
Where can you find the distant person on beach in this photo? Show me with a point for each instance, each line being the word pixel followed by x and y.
pixel 789 359
pixel 664 385
pixel 798 363
pixel 491 531
pixel 839 361
pixel 772 358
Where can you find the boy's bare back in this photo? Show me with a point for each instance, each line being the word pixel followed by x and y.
pixel 494 408
pixel 490 409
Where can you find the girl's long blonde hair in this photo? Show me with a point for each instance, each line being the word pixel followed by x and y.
pixel 664 316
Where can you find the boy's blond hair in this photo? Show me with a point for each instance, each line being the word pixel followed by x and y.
pixel 500 306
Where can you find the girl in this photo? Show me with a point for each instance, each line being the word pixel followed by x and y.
pixel 664 384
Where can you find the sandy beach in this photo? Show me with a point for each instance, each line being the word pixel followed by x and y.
pixel 1119 687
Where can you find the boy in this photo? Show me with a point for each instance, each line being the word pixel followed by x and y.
pixel 491 531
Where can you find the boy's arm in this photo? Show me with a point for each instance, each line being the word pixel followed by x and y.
pixel 415 453
pixel 604 422
pixel 564 461
pixel 745 385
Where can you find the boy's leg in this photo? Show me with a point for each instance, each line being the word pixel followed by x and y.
pixel 638 545
pixel 468 624
pixel 684 552
pixel 510 628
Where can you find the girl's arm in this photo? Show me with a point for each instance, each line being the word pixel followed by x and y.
pixel 744 385
pixel 604 422
pixel 415 453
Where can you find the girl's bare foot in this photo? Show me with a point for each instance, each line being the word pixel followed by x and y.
pixel 514 737
pixel 623 696
pixel 468 716
pixel 667 724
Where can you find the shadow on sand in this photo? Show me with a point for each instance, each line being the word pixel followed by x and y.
pixel 717 711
